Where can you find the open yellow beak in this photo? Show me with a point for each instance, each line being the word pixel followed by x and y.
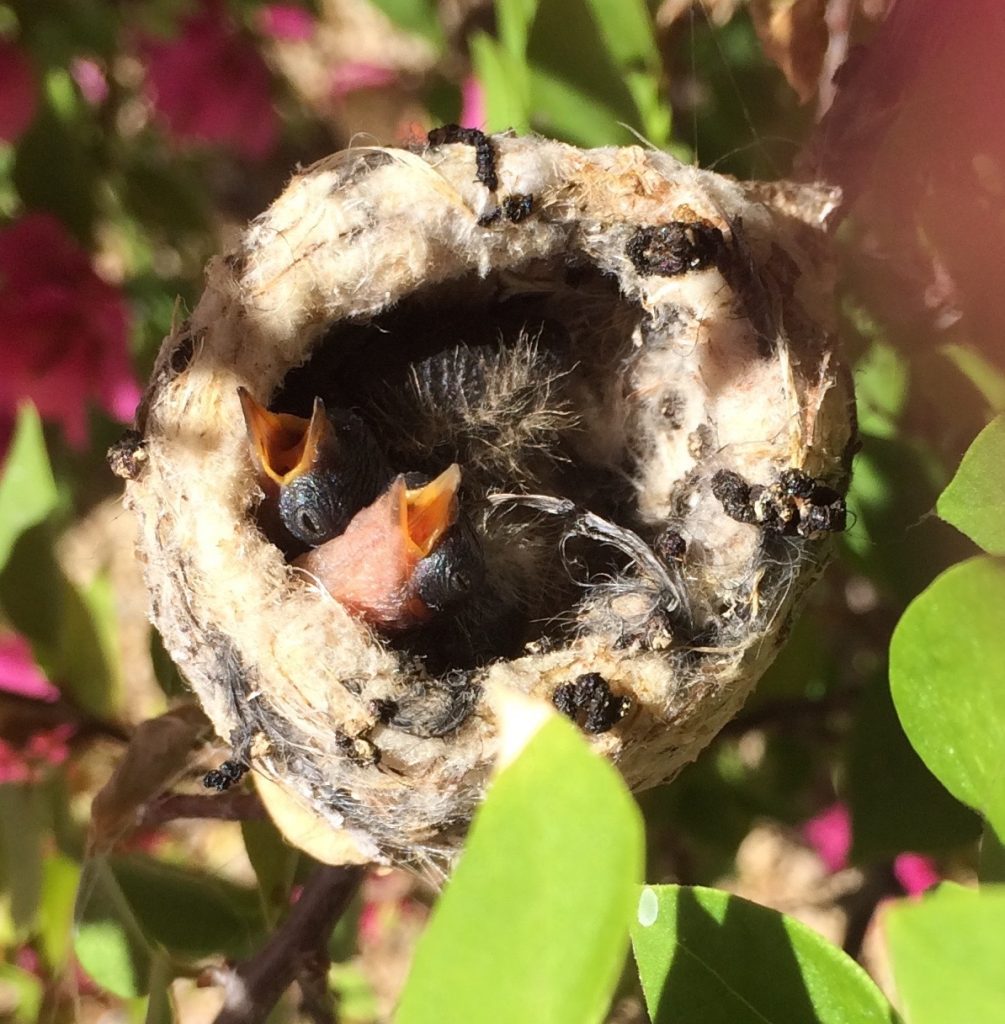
pixel 427 512
pixel 285 446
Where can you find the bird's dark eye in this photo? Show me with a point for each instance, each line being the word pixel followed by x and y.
pixel 310 511
pixel 307 523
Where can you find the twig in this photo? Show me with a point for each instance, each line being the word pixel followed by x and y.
pixel 252 988
pixel 224 807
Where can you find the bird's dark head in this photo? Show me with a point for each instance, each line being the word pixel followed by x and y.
pixel 319 471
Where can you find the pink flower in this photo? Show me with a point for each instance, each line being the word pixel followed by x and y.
pixel 212 85
pixel 356 75
pixel 18 92
pixel 286 22
pixel 50 747
pixel 90 79
pixel 18 672
pixel 829 833
pixel 13 767
pixel 63 330
pixel 915 873
pixel 472 104
pixel 41 751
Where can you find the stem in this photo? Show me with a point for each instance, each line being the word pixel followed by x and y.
pixel 252 988
pixel 224 807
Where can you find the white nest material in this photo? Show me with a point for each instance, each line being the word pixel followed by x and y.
pixel 697 319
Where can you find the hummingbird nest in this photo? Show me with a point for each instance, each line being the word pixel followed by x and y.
pixel 633 363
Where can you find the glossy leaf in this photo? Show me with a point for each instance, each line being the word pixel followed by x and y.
pixel 577 92
pixel 514 18
pixel 981 372
pixel 275 864
pixel 60 878
pixel 87 666
pixel 707 957
pixel 896 803
pixel 948 952
pixel 992 863
pixel 27 489
pixel 418 16
pixel 109 942
pixel 22 992
pixel 504 79
pixel 974 501
pixel 947 674
pixel 21 841
pixel 190 913
pixel 533 924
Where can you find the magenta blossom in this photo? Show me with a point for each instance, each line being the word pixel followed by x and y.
pixel 42 751
pixel 18 672
pixel 286 22
pixel 829 833
pixel 18 92
pixel 63 330
pixel 356 75
pixel 211 85
pixel 90 79
pixel 473 113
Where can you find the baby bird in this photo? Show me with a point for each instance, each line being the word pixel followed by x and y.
pixel 316 474
pixel 402 559
pixel 394 550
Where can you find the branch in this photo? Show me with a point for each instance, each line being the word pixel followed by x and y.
pixel 224 807
pixel 252 988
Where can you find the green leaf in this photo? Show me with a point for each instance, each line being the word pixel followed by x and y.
pixel 513 19
pixel 706 957
pixel 947 674
pixel 60 878
pixel 992 862
pixel 27 489
pixel 506 84
pixel 948 952
pixel 983 374
pixel 577 90
pixel 33 594
pixel 21 835
pixel 881 387
pixel 533 925
pixel 275 865
pixel 54 171
pixel 21 991
pixel 896 803
pixel 418 16
pixel 974 501
pixel 109 942
pixel 190 913
pixel 159 1009
pixel 87 666
pixel 627 31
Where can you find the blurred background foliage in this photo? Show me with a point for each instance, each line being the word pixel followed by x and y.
pixel 137 137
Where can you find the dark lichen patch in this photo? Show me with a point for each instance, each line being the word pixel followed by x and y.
pixel 678 247
pixel 357 749
pixel 589 702
pixel 517 207
pixel 128 456
pixel 485 154
pixel 670 546
pixel 228 774
pixel 796 505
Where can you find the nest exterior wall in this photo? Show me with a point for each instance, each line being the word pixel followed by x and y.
pixel 283 671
